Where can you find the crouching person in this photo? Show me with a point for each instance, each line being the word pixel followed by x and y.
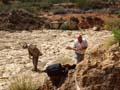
pixel 34 54
pixel 58 73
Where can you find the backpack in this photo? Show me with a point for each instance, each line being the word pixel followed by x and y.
pixel 54 70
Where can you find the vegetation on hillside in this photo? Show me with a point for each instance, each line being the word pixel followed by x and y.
pixel 35 5
pixel 89 3
pixel 110 24
pixel 30 6
pixel 116 33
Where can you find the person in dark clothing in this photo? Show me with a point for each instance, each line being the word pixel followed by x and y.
pixel 58 73
pixel 34 54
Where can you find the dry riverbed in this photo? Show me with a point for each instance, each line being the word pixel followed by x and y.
pixel 52 43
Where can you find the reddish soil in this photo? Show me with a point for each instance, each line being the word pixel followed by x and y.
pixel 103 16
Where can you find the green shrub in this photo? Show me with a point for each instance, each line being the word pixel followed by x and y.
pixel 116 33
pixel 33 7
pixel 23 82
pixel 27 0
pixel 55 1
pixel 88 3
pixel 64 26
pixel 80 3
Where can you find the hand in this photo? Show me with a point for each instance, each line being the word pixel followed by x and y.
pixel 30 57
pixel 68 47
pixel 76 49
pixel 40 54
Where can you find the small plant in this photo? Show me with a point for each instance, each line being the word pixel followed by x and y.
pixel 116 33
pixel 23 82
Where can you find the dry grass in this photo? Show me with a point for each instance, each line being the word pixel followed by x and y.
pixel 65 60
pixel 112 23
pixel 23 82
pixel 109 42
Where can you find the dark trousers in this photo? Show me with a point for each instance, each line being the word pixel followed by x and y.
pixel 79 57
pixel 35 62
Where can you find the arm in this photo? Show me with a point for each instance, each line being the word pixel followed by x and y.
pixel 72 48
pixel 40 53
pixel 30 55
pixel 85 47
pixel 82 46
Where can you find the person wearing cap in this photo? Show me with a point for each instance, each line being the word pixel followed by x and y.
pixel 34 54
pixel 80 46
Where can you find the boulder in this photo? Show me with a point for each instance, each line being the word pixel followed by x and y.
pixel 60 11
pixel 100 72
pixel 91 22
pixel 73 23
pixel 55 25
pixel 64 26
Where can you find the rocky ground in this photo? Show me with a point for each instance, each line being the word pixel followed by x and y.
pixel 14 60
pixel 100 70
pixel 20 20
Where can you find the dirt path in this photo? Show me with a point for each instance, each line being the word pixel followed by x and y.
pixel 14 60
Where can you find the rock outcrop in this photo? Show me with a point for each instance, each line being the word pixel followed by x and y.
pixel 99 71
pixel 20 20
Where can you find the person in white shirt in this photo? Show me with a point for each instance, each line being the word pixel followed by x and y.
pixel 80 46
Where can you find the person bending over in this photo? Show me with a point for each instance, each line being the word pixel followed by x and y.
pixel 34 54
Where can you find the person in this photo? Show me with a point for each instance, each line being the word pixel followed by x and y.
pixel 57 73
pixel 80 46
pixel 34 54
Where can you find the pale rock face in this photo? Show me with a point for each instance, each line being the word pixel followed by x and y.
pixel 94 75
pixel 54 25
pixel 96 28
